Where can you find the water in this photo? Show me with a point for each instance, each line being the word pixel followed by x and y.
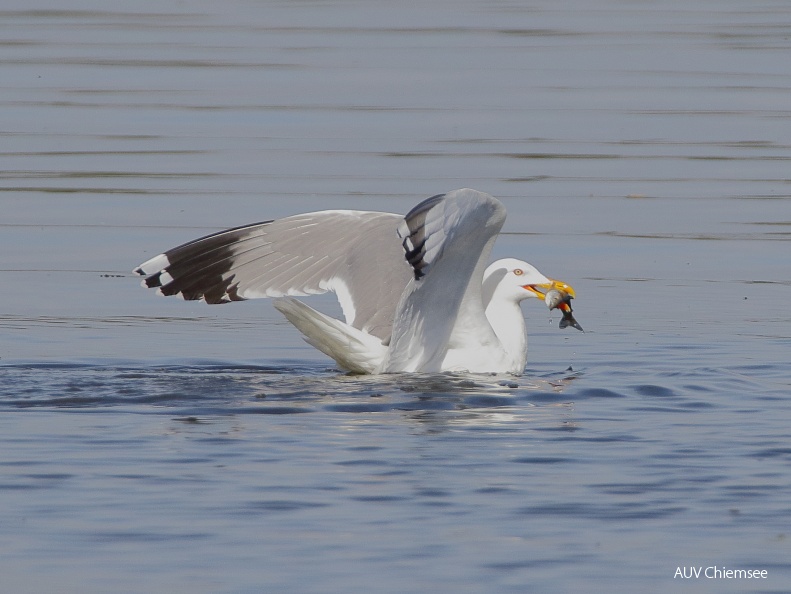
pixel 154 445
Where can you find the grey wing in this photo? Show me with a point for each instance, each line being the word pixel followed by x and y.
pixel 435 225
pixel 447 240
pixel 355 254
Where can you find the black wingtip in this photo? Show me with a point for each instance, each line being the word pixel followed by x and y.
pixel 413 233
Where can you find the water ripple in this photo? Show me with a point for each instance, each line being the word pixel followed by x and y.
pixel 214 388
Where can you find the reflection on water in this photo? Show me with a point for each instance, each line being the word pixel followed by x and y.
pixel 212 389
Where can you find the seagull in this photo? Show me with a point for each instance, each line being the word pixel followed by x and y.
pixel 415 291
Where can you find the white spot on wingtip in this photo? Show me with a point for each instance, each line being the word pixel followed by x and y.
pixel 153 265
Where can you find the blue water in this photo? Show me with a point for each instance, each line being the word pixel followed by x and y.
pixel 155 445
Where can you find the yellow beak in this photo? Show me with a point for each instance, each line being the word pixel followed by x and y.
pixel 542 289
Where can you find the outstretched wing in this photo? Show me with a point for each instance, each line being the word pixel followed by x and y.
pixel 356 254
pixel 447 240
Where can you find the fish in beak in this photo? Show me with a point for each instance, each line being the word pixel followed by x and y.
pixel 557 295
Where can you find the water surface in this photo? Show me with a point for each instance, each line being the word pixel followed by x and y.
pixel 156 445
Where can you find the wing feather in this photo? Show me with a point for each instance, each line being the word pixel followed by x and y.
pixel 447 241
pixel 356 253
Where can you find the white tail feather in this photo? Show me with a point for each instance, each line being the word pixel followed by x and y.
pixel 352 349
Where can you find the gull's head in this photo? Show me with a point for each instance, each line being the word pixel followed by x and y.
pixel 517 280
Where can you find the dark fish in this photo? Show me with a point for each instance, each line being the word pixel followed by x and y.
pixel 559 300
pixel 568 320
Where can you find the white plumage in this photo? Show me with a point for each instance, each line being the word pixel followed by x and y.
pixel 415 291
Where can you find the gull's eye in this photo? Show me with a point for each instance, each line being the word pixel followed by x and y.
pixel 519 272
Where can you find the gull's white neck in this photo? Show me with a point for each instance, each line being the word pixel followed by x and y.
pixel 508 323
